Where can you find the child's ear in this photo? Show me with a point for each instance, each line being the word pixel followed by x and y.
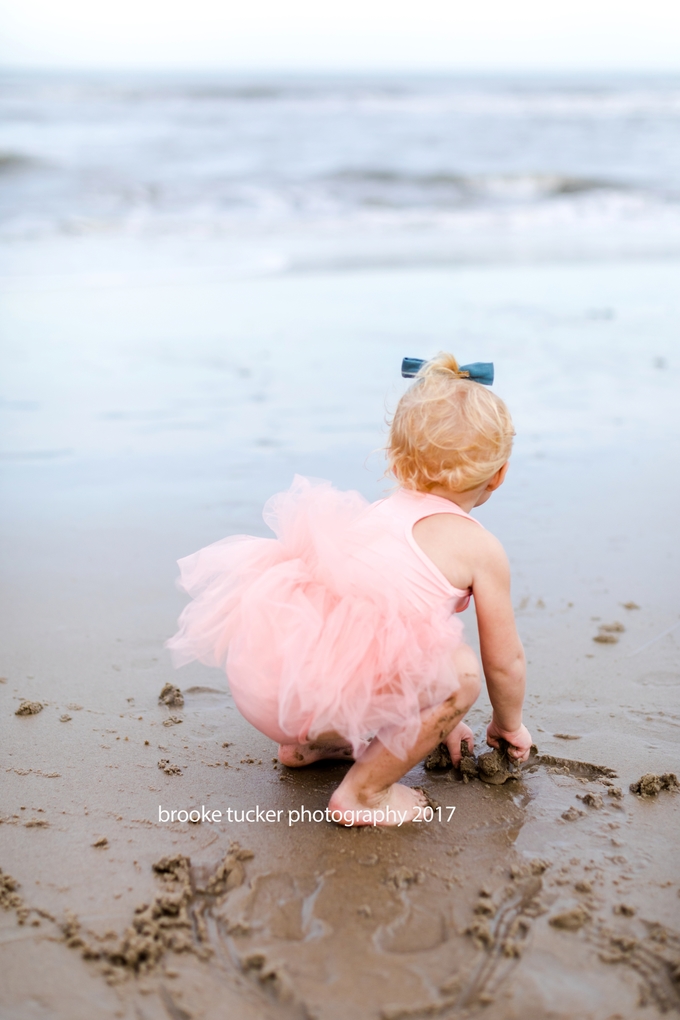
pixel 497 480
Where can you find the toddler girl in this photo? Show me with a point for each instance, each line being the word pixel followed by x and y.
pixel 339 636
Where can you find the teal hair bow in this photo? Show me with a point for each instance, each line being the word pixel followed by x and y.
pixel 478 371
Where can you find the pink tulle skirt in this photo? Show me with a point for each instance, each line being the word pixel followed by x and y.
pixel 315 628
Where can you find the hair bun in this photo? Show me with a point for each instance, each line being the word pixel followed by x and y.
pixel 443 364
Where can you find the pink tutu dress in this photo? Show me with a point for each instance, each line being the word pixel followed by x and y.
pixel 339 624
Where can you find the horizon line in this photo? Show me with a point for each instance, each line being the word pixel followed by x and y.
pixel 338 70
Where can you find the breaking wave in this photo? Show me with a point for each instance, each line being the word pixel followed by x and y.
pixel 453 188
pixel 15 162
pixel 183 155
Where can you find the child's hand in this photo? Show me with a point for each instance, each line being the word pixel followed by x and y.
pixel 519 741
pixel 461 732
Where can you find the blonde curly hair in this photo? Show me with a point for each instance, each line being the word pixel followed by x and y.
pixel 448 431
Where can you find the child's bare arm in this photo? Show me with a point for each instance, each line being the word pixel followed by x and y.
pixel 501 649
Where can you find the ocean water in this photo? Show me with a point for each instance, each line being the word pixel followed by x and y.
pixel 301 172
pixel 208 283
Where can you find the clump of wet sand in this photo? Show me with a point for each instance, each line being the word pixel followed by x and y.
pixel 439 758
pixel 9 897
pixel 571 920
pixel 172 922
pixel 404 877
pixel 494 767
pixel 651 785
pixel 593 800
pixel 572 814
pixel 468 763
pixel 171 696
pixel 29 708
pixel 607 633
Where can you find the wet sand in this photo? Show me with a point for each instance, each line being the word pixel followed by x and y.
pixel 548 895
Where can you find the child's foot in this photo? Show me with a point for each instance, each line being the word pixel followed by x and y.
pixel 458 733
pixel 296 755
pixel 398 804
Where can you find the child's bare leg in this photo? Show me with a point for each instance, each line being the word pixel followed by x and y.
pixel 327 745
pixel 371 785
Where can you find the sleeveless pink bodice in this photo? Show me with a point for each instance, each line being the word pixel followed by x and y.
pixel 426 586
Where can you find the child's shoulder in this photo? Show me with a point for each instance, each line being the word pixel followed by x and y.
pixel 459 547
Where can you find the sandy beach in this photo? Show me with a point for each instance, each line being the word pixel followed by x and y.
pixel 546 896
pixel 151 404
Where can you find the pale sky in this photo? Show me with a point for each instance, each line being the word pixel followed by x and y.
pixel 299 35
